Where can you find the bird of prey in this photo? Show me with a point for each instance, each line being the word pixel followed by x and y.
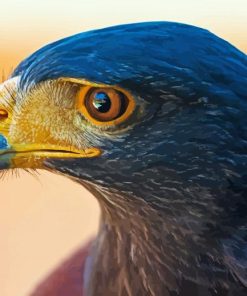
pixel 152 119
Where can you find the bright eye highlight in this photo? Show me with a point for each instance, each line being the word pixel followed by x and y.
pixel 101 102
pixel 105 105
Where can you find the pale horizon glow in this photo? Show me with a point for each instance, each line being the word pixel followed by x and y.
pixel 27 25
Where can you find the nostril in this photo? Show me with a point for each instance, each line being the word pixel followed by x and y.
pixel 3 114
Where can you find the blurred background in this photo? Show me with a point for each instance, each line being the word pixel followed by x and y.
pixel 44 219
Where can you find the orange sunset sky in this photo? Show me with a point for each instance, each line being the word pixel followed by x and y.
pixel 42 220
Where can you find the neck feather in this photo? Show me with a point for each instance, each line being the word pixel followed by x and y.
pixel 142 250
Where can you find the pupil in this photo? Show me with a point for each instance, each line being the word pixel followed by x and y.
pixel 102 102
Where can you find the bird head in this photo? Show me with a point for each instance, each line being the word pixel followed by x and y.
pixel 144 109
pixel 151 118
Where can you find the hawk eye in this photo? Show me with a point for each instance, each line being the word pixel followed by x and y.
pixel 105 105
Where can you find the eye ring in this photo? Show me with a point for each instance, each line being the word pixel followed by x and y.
pixel 105 105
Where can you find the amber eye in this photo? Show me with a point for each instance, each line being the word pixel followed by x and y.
pixel 105 105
